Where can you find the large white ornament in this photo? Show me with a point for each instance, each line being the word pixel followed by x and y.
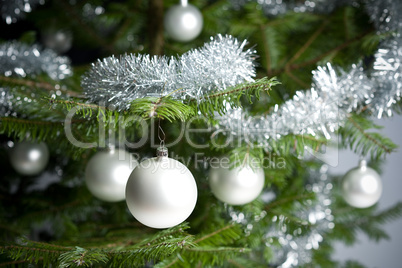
pixel 107 173
pixel 236 186
pixel 29 158
pixel 161 192
pixel 361 186
pixel 183 22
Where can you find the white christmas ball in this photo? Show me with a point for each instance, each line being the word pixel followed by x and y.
pixel 161 192
pixel 361 186
pixel 183 22
pixel 237 186
pixel 107 173
pixel 59 40
pixel 29 158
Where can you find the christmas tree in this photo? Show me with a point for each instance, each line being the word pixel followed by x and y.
pixel 193 134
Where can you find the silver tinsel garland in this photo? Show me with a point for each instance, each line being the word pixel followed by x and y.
pixel 296 247
pixel 387 77
pixel 218 64
pixel 6 103
pixel 273 8
pixel 13 10
pixel 318 111
pixel 322 109
pixel 385 14
pixel 22 60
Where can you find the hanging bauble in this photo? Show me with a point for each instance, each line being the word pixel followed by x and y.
pixel 29 158
pixel 58 40
pixel 107 173
pixel 361 186
pixel 236 186
pixel 183 22
pixel 161 192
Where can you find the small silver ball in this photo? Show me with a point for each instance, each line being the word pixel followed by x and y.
pixel 237 186
pixel 183 23
pixel 361 186
pixel 161 192
pixel 29 158
pixel 59 40
pixel 107 173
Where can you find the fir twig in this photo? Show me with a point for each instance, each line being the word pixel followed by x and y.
pixel 38 130
pixel 308 42
pixel 218 101
pixel 354 134
pixel 163 108
pixel 34 84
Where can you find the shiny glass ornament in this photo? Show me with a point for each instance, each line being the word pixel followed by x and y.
pixel 183 22
pixel 361 186
pixel 161 192
pixel 236 186
pixel 29 158
pixel 107 173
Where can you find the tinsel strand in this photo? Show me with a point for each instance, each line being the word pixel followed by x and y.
pixel 272 8
pixel 295 248
pixel 22 60
pixel 218 64
pixel 323 108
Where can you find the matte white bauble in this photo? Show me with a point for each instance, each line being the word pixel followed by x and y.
pixel 29 158
pixel 237 186
pixel 107 173
pixel 183 22
pixel 161 192
pixel 361 186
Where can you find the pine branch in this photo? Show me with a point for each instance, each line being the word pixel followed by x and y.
pixel 37 130
pixel 11 81
pixel 163 108
pixel 34 252
pixel 82 257
pixel 161 245
pixel 354 134
pixel 329 52
pixel 207 249
pixel 351 220
pixel 222 236
pixel 218 101
pixel 170 109
pixel 296 144
pixel 353 264
pixel 385 216
pixel 87 110
pixel 308 42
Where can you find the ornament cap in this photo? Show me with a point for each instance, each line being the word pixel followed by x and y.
pixel 362 164
pixel 111 148
pixel 162 152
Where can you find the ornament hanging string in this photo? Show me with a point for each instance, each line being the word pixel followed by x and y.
pixel 160 130
pixel 183 3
